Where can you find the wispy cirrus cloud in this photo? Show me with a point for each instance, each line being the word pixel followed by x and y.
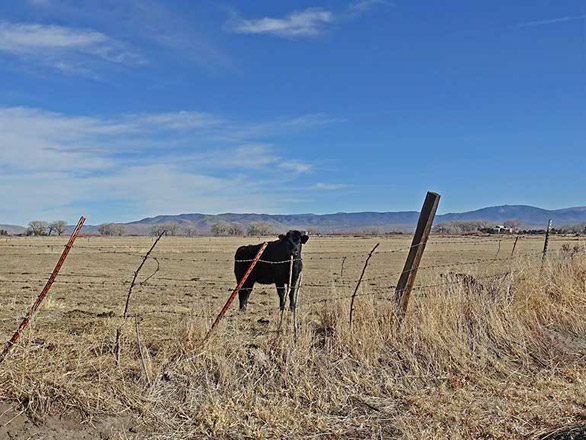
pixel 550 21
pixel 365 5
pixel 66 49
pixel 321 186
pixel 143 164
pixel 161 29
pixel 310 22
pixel 307 23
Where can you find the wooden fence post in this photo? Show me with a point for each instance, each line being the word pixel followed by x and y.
pixel 546 243
pixel 407 278
pixel 25 322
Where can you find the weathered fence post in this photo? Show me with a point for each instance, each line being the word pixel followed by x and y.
pixel 514 246
pixel 407 278
pixel 25 322
pixel 546 243
pixel 234 293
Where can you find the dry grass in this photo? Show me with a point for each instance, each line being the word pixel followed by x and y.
pixel 501 360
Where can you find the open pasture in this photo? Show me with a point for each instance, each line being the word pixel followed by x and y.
pixel 195 275
pixel 463 366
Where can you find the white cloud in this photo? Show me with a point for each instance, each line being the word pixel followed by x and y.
pixel 364 5
pixel 328 186
pixel 550 21
pixel 166 29
pixel 296 166
pixel 307 23
pixel 55 165
pixel 66 49
pixel 310 22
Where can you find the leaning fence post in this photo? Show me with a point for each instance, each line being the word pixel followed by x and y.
pixel 25 322
pixel 407 278
pixel 546 242
pixel 234 293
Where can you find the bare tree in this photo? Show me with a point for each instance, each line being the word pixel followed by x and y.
pixel 190 231
pixel 572 228
pixel 513 224
pixel 58 226
pixel 462 226
pixel 236 229
pixel 221 227
pixel 111 229
pixel 170 227
pixel 260 228
pixel 374 230
pixel 37 228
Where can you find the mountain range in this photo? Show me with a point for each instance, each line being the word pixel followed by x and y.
pixel 402 221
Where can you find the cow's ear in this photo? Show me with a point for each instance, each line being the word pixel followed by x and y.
pixel 304 238
pixel 281 237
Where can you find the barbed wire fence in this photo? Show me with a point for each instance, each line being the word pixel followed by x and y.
pixel 89 280
pixel 318 290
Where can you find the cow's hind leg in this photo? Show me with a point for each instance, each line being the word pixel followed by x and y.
pixel 281 291
pixel 244 294
pixel 292 297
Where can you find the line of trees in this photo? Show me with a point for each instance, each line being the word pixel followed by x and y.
pixel 462 226
pixel 573 228
pixel 225 228
pixel 112 229
pixel 467 226
pixel 39 228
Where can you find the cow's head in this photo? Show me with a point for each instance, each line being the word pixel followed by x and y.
pixel 294 240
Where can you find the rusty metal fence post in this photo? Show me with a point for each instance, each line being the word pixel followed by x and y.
pixel 235 292
pixel 25 322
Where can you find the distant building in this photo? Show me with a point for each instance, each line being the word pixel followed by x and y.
pixel 498 229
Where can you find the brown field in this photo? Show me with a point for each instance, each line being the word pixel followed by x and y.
pixel 503 357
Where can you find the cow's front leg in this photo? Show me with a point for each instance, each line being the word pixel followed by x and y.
pixel 281 292
pixel 292 304
pixel 244 293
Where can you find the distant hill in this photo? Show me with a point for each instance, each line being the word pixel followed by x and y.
pixel 339 222
pixel 402 221
pixel 13 229
pixel 529 215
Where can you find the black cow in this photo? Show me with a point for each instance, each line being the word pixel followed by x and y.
pixel 266 272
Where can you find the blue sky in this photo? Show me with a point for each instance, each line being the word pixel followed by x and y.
pixel 122 109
